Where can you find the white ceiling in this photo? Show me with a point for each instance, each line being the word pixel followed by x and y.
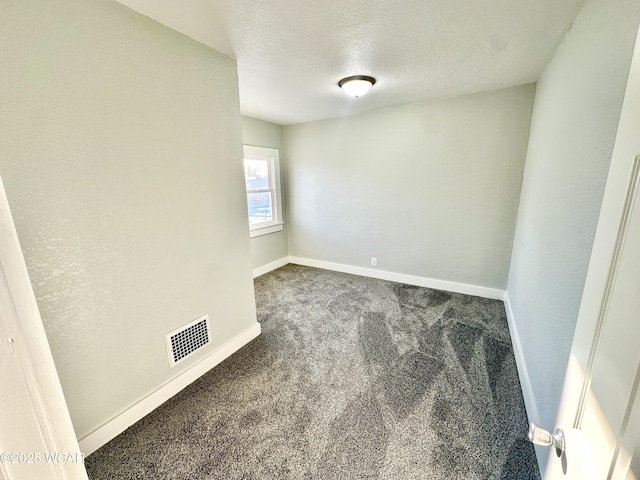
pixel 291 53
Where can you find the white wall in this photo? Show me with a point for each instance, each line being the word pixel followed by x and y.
pixel 430 189
pixel 576 112
pixel 121 154
pixel 272 247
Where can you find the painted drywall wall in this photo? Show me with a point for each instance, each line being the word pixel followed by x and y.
pixel 272 247
pixel 573 129
pixel 429 189
pixel 121 154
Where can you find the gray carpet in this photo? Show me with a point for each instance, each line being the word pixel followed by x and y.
pixel 352 378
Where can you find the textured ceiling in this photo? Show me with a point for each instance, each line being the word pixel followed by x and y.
pixel 291 53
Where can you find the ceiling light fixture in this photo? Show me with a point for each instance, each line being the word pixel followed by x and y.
pixel 356 85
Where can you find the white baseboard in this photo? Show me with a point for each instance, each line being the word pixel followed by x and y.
pixel 448 286
pixel 118 424
pixel 525 381
pixel 281 262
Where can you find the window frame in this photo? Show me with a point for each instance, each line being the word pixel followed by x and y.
pixel 272 156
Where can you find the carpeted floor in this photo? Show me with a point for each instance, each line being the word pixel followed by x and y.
pixel 352 378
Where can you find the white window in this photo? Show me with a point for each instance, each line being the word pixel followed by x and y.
pixel 262 178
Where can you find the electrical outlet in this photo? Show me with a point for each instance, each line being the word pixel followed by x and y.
pixel 374 262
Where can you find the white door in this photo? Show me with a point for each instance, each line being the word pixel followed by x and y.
pixel 37 440
pixel 600 407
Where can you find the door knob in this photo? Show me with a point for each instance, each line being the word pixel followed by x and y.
pixel 539 436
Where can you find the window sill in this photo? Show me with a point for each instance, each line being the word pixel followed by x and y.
pixel 258 231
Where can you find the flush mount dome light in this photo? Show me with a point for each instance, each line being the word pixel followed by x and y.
pixel 356 85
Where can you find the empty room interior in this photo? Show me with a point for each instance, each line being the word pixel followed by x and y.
pixel 244 271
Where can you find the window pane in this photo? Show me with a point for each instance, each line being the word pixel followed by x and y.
pixel 256 174
pixel 260 207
